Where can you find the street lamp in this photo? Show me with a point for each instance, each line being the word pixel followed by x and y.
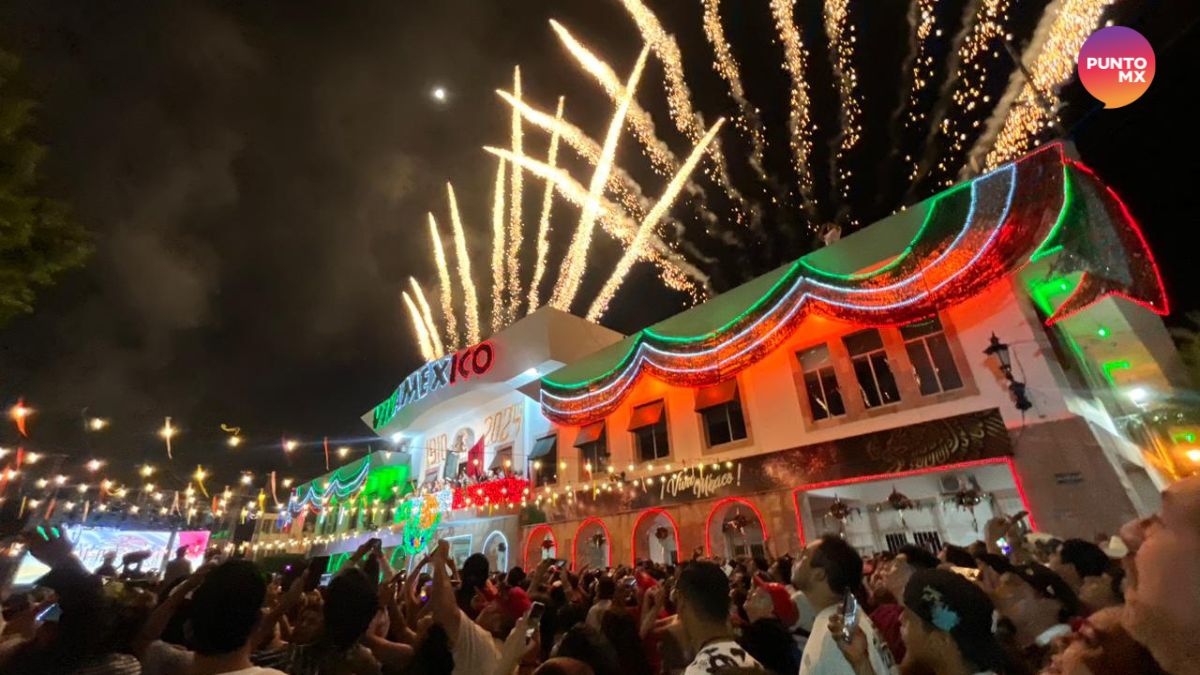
pixel 97 423
pixel 999 350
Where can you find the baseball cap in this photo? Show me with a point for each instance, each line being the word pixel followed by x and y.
pixel 954 605
pixel 785 609
pixel 1048 585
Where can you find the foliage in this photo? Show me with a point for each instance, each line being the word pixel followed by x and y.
pixel 39 240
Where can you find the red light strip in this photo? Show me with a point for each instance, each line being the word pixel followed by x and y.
pixel 533 533
pixel 641 516
pixel 575 542
pixel 762 523
pixel 1007 461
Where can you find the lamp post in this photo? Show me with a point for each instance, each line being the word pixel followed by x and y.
pixel 999 350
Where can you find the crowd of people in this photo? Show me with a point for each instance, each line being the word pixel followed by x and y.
pixel 1001 606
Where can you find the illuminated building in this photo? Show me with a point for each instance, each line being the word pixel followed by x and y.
pixel 858 390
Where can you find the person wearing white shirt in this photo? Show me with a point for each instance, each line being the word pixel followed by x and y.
pixel 702 601
pixel 606 588
pixel 828 570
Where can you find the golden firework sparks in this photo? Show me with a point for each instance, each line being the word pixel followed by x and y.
pixel 748 121
pixel 646 229
pixel 498 313
pixel 841 47
pixel 620 182
pixel 543 232
pixel 470 298
pixel 982 41
pixel 512 304
pixel 800 125
pixel 660 155
pixel 1026 118
pixel 435 340
pixel 676 272
pixel 576 261
pixel 439 256
pixel 419 327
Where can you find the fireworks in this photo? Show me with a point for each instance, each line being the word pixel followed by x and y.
pixel 439 257
pixel 576 261
pixel 800 126
pixel 841 45
pixel 498 249
pixel 419 328
pixel 543 232
pixel 1027 117
pixel 512 305
pixel 435 340
pixel 470 299
pixel 982 40
pixel 646 229
pixel 660 155
pixel 749 121
pixel 947 116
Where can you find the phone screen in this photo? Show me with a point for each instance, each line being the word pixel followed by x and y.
pixel 51 613
pixel 849 617
pixel 1004 546
pixel 535 619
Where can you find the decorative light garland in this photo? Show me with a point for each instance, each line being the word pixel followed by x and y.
pixel 951 258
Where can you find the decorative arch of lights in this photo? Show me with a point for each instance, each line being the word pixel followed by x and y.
pixel 540 529
pixel 974 234
pixel 488 540
pixel 637 523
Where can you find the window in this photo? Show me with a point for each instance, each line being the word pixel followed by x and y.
pixel 649 427
pixel 721 410
pixel 593 448
pixel 896 541
pixel 820 381
pixel 929 351
pixel 501 461
pixel 875 380
pixel 543 459
pixel 929 539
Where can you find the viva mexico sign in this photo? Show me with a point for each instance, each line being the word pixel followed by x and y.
pixel 444 372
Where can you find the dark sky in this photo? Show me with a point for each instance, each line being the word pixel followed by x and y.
pixel 256 176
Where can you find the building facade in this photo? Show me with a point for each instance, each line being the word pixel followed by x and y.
pixel 993 350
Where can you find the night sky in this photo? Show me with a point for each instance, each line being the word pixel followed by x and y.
pixel 255 176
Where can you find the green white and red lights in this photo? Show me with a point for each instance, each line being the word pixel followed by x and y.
pixel 974 235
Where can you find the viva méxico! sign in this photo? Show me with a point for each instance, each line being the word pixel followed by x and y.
pixel 444 372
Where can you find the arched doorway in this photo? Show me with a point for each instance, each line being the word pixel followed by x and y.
pixel 495 549
pixel 735 527
pixel 656 536
pixel 538 546
pixel 592 545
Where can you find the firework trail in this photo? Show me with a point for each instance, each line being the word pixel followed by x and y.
pixel 543 232
pixel 435 341
pixel 498 313
pixel 841 47
pixel 660 155
pixel 646 230
pixel 576 261
pixel 922 21
pixel 980 39
pixel 687 120
pixel 619 182
pixel 800 125
pixel 512 306
pixel 1020 116
pixel 749 121
pixel 470 299
pixel 439 256
pixel 676 272
pixel 419 327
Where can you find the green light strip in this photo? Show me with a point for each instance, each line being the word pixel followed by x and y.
pixel 1045 248
pixel 933 207
pixel 1110 366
